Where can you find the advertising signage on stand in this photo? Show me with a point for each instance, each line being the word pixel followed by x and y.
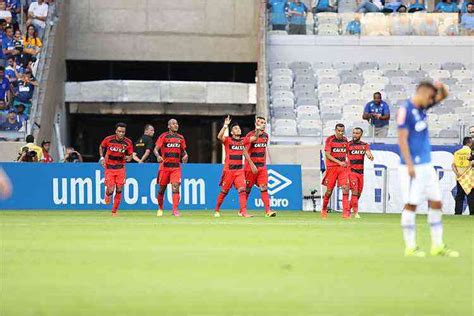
pixel 39 186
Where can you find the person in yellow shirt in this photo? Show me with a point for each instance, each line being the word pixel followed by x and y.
pixel 30 143
pixel 462 162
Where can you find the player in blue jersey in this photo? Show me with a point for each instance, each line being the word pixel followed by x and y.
pixel 418 179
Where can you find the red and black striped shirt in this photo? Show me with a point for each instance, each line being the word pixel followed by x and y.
pixel 115 151
pixel 257 150
pixel 172 148
pixel 234 151
pixel 337 148
pixel 356 154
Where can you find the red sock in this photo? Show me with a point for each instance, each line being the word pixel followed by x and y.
pixel 161 199
pixel 175 201
pixel 243 202
pixel 117 198
pixel 345 204
pixel 325 202
pixel 266 200
pixel 220 199
pixel 355 203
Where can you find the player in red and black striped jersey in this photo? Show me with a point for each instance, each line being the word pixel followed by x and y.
pixel 336 170
pixel 170 150
pixel 257 141
pixel 115 151
pixel 356 152
pixel 233 173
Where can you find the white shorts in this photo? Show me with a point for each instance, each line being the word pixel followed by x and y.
pixel 424 187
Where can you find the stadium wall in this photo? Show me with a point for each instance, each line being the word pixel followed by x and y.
pixel 163 30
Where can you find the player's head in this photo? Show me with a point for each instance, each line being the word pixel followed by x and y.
pixel 149 130
pixel 470 8
pixel 235 130
pixel 467 141
pixel 120 129
pixel 30 139
pixel 377 98
pixel 46 144
pixel 426 93
pixel 260 122
pixel 339 130
pixel 173 125
pixel 357 133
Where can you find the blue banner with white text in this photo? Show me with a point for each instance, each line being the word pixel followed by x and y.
pixel 81 187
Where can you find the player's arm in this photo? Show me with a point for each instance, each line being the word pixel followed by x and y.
pixel 405 150
pixel 145 156
pixel 256 135
pixel 455 170
pixel 156 151
pixel 184 154
pixel 251 164
pixel 221 135
pixel 331 158
pixel 102 151
pixel 369 155
pixel 442 92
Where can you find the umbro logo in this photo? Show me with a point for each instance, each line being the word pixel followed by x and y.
pixel 277 182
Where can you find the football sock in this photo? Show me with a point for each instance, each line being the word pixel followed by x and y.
pixel 243 202
pixel 436 227
pixel 345 204
pixel 409 228
pixel 220 199
pixel 175 201
pixel 354 203
pixel 266 200
pixel 326 201
pixel 117 198
pixel 161 199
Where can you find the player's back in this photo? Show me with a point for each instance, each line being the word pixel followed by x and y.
pixel 414 120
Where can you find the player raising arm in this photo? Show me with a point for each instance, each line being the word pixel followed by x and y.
pixel 335 151
pixel 170 151
pixel 418 179
pixel 115 151
pixel 233 173
pixel 257 141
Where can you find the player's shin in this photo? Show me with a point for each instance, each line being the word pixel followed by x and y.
pixel 220 200
pixel 243 202
pixel 354 204
pixel 409 228
pixel 117 199
pixel 346 211
pixel 175 201
pixel 266 200
pixel 161 199
pixel 436 227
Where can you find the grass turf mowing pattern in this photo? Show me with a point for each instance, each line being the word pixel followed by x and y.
pixel 88 263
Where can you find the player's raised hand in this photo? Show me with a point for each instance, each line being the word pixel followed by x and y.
pixel 159 159
pixel 227 120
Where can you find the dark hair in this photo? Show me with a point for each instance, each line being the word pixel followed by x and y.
pixel 35 33
pixel 120 125
pixel 44 142
pixel 30 139
pixel 260 117
pixel 339 125
pixel 8 27
pixel 360 129
pixel 466 140
pixel 2 68
pixel 234 124
pixel 426 84
pixel 147 126
pixel 3 21
pixel 378 93
pixel 402 6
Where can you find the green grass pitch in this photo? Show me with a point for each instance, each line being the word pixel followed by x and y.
pixel 88 263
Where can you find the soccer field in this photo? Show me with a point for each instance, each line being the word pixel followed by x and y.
pixel 88 263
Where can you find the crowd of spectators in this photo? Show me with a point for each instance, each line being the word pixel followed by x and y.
pixel 20 47
pixel 294 12
pixel 31 152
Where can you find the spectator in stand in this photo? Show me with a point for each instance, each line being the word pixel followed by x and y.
pixel 30 144
pixel 3 111
pixel 11 69
pixel 14 7
pixel 278 10
pixel 18 44
pixel 402 9
pixel 20 112
pixel 377 112
pixel 323 6
pixel 24 89
pixel 4 13
pixel 8 43
pixel 391 6
pixel 463 5
pixel 370 6
pixel 467 21
pixel 45 145
pixel 27 155
pixel 353 27
pixel 32 44
pixel 447 6
pixel 3 24
pixel 143 151
pixel 416 5
pixel 11 124
pixel 37 14
pixel 72 156
pixel 297 11
pixel 5 93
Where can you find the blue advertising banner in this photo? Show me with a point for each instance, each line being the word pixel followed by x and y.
pixel 81 187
